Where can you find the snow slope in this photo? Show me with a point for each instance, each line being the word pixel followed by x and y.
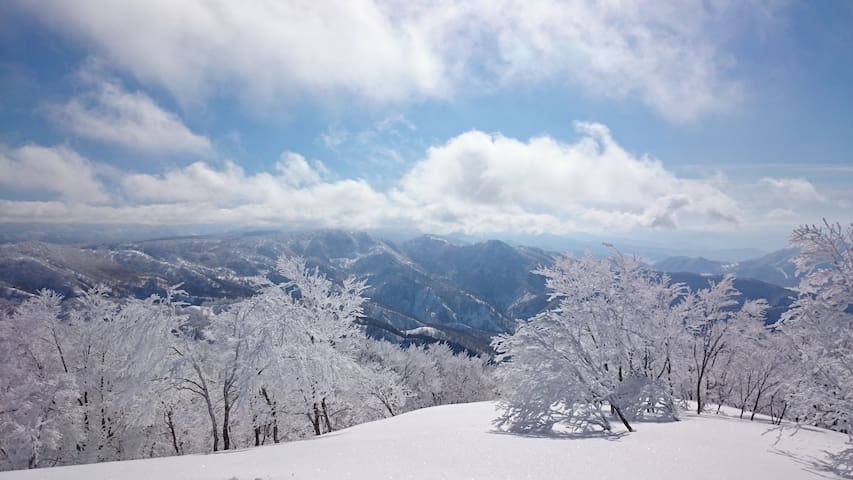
pixel 460 442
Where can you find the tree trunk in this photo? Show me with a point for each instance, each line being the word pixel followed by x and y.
pixel 315 420
pixel 622 417
pixel 205 394
pixel 226 418
pixel 387 406
pixel 326 415
pixel 273 411
pixel 782 415
pixel 59 349
pixel 755 406
pixel 171 423
pixel 213 426
pixel 699 396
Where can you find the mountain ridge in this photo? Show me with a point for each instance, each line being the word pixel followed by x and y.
pixel 776 267
pixel 465 292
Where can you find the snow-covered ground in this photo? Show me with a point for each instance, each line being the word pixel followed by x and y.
pixel 460 442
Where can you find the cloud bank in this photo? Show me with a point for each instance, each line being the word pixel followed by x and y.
pixel 542 185
pixel 670 57
pixel 475 183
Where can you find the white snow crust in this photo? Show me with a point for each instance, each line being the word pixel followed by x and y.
pixel 460 442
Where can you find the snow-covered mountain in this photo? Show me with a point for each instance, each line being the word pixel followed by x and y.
pixel 777 267
pixel 463 293
pixel 460 441
pixel 422 289
pixel 698 265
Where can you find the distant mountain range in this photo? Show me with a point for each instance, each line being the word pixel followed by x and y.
pixel 424 289
pixel 777 267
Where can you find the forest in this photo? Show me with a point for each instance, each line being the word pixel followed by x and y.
pixel 99 378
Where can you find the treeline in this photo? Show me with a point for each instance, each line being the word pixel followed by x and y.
pixel 626 343
pixel 116 379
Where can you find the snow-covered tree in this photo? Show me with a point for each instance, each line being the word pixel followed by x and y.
pixel 38 414
pixel 713 324
pixel 609 343
pixel 93 333
pixel 193 369
pixel 416 369
pixel 308 361
pixel 464 378
pixel 751 368
pixel 820 325
pixel 96 378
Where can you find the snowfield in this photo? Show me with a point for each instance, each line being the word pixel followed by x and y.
pixel 460 442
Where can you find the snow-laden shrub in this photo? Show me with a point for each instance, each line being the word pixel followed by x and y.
pixel 615 320
pixel 645 398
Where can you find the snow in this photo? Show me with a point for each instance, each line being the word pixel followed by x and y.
pixel 460 442
pixel 427 331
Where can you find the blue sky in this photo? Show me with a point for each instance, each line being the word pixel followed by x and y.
pixel 721 124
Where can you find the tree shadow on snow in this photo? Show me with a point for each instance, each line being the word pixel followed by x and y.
pixel 830 465
pixel 557 435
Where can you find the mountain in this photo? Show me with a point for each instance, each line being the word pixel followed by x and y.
pixel 461 441
pixel 420 290
pixel 698 265
pixel 776 268
pixel 492 270
pixel 778 298
pixel 423 290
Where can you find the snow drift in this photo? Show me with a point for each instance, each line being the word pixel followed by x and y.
pixel 461 442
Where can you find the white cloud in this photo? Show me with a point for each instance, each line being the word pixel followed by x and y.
pixel 781 214
pixel 334 137
pixel 296 171
pixel 592 183
pixel 132 120
pixel 297 193
pixel 671 57
pixel 265 49
pixel 475 183
pixel 229 186
pixel 53 170
pixel 793 189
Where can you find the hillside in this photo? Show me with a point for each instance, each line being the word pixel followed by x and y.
pixel 421 290
pixel 459 441
pixel 776 268
pixel 463 294
pixel 778 299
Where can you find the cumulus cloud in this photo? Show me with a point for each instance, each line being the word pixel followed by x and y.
pixel 797 189
pixel 229 185
pixel 57 171
pixel 263 48
pixel 296 171
pixel 671 57
pixel 668 56
pixel 475 183
pixel 592 182
pixel 108 113
pixel 296 193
